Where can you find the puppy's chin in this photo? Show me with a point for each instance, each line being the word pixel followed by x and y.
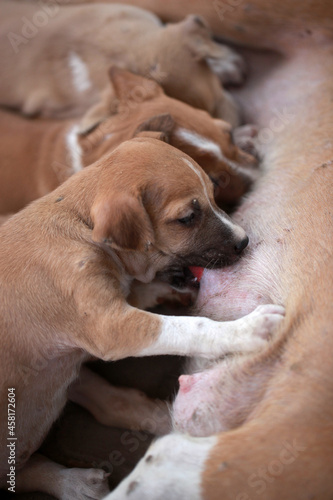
pixel 179 278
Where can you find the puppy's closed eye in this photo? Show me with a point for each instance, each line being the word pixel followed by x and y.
pixel 188 220
pixel 216 185
pixel 193 216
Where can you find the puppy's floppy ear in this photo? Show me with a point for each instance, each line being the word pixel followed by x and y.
pixel 121 221
pixel 196 24
pixel 200 40
pixel 124 90
pixel 106 107
pixel 158 127
pixel 223 125
pixel 130 87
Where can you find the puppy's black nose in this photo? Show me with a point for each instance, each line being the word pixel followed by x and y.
pixel 239 247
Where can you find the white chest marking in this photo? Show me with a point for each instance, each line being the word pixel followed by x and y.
pixel 74 149
pixel 200 142
pixel 80 73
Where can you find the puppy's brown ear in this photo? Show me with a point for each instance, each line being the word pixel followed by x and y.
pixel 200 40
pixel 158 127
pixel 130 87
pixel 223 125
pixel 196 24
pixel 106 107
pixel 122 222
pixel 126 91
pixel 159 136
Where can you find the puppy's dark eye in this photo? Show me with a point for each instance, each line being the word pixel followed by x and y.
pixel 186 221
pixel 215 182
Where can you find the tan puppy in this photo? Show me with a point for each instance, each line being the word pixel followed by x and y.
pixel 57 67
pixel 37 156
pixel 275 25
pixel 67 262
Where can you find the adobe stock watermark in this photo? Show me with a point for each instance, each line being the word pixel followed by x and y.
pixel 48 9
pixel 132 439
pixel 280 120
pixel 224 8
pixel 11 440
pixel 265 475
pixel 38 363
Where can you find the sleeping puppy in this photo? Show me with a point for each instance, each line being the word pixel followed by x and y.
pixel 66 265
pixel 59 68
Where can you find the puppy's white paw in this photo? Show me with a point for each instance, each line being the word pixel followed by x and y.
pixel 84 484
pixel 245 137
pixel 230 67
pixel 263 322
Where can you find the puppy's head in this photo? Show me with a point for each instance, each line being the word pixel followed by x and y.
pixel 210 143
pixel 182 57
pixel 143 108
pixel 155 207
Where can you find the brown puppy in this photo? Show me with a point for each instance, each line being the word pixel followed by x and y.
pixel 37 156
pixel 67 262
pixel 58 68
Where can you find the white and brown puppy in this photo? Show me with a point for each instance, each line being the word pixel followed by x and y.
pixel 66 265
pixel 59 68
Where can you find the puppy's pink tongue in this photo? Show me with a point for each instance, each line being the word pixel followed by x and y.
pixel 197 272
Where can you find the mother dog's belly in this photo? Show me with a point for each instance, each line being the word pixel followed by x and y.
pixel 228 294
pixel 232 292
pixel 226 395
pixel 198 409
pixel 221 397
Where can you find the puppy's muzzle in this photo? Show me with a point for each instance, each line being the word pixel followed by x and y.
pixel 179 275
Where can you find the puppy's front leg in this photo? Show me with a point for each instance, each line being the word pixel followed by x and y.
pixel 125 331
pixel 197 336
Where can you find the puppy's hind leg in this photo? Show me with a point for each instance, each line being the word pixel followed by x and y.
pixel 41 474
pixel 119 406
